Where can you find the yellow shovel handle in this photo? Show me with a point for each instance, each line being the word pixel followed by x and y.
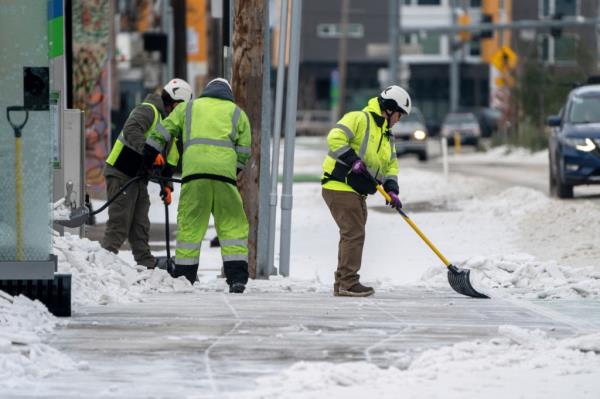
pixel 19 199
pixel 415 228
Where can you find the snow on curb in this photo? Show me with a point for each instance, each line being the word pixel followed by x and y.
pixel 504 154
pixel 523 276
pixel 518 363
pixel 23 355
pixel 101 277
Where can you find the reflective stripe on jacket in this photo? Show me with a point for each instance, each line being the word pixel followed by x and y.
pixel 215 135
pixel 360 132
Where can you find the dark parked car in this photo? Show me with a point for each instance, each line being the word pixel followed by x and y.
pixel 463 124
pixel 410 135
pixel 574 143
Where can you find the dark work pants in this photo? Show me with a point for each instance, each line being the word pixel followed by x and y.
pixel 128 219
pixel 349 210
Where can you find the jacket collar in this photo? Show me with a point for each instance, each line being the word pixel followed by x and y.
pixel 374 109
pixel 157 101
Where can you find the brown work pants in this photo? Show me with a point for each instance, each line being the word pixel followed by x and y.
pixel 128 219
pixel 349 210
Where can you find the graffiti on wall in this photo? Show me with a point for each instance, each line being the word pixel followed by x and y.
pixel 91 84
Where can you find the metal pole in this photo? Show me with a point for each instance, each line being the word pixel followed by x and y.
pixel 277 132
pixel 262 268
pixel 290 136
pixel 393 38
pixel 454 66
pixel 342 57
pixel 168 28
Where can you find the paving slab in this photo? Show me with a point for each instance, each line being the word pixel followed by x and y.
pixel 214 344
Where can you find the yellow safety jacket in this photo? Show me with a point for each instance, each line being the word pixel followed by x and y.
pixel 127 159
pixel 215 135
pixel 360 135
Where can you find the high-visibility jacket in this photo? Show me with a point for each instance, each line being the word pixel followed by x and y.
pixel 360 135
pixel 215 135
pixel 126 156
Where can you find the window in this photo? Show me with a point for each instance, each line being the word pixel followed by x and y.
pixel 559 49
pixel 585 109
pixel 565 48
pixel 430 44
pixel 355 31
pixel 475 3
pixel 550 8
pixel 475 48
pixel 428 2
pixel 565 7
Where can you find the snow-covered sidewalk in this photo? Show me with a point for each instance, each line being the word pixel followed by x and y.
pixel 536 257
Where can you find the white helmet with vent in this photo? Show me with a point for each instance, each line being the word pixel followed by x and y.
pixel 179 90
pixel 395 98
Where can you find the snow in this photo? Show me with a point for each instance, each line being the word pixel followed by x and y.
pixel 517 243
pixel 24 327
pixel 518 363
pixel 101 277
pixel 503 154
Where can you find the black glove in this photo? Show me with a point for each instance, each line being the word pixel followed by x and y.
pixel 148 156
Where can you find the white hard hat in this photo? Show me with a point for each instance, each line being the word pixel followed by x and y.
pixel 395 98
pixel 179 90
pixel 219 80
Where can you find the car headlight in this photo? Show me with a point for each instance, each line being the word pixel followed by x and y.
pixel 419 135
pixel 585 145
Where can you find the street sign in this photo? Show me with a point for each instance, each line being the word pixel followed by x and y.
pixel 504 59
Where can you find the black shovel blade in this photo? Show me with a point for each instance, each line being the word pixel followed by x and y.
pixel 164 263
pixel 77 218
pixel 459 281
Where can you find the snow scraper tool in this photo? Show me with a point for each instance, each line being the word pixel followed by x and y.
pixel 458 278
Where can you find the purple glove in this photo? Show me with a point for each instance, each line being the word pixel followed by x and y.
pixel 359 167
pixel 394 200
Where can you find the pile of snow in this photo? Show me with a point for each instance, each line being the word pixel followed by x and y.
pixel 101 277
pixel 523 276
pixel 510 204
pixel 503 154
pixel 23 356
pixel 519 363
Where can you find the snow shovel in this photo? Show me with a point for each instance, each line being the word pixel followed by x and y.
pixel 457 277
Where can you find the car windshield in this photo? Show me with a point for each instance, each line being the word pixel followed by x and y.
pixel 412 117
pixel 585 109
pixel 460 118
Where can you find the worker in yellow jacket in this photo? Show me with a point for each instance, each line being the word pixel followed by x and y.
pixel 360 144
pixel 128 214
pixel 216 138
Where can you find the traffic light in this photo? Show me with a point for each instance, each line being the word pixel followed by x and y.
pixel 488 33
pixel 556 32
pixel 490 13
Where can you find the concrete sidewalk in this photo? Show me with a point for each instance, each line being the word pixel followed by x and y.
pixel 212 344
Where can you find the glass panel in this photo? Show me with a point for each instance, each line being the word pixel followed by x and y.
pixel 566 7
pixel 430 44
pixel 565 48
pixel 428 2
pixel 25 147
pixel 585 109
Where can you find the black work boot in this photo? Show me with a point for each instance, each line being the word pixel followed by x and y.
pixel 236 272
pixel 237 288
pixel 188 271
pixel 356 290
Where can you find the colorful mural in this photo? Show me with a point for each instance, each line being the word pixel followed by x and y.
pixel 91 84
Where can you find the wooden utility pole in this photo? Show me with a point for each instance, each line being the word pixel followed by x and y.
pixel 247 82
